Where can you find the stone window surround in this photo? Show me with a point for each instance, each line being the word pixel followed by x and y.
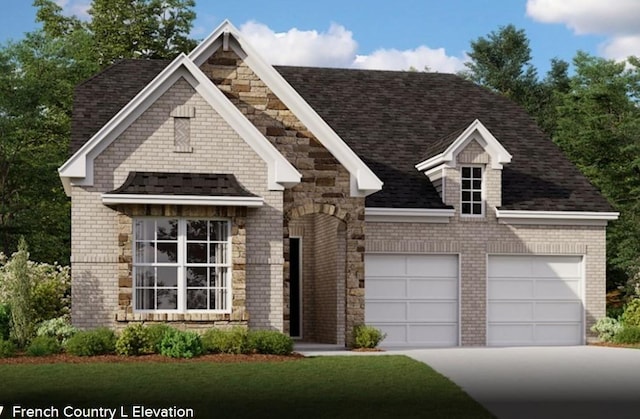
pixel 239 314
pixel 181 264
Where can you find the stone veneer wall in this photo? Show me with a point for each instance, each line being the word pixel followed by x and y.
pixel 148 145
pixel 475 238
pixel 325 186
pixel 237 215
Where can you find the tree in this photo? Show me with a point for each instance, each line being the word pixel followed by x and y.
pixel 141 28
pixel 502 63
pixel 126 28
pixel 37 77
pixel 598 127
pixel 549 92
pixel 36 84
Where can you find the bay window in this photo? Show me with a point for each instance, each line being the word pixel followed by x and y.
pixel 181 265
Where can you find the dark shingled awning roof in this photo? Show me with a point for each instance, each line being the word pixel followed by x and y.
pixel 194 184
pixel 391 120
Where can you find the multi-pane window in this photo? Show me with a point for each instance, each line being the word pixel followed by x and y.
pixel 472 191
pixel 181 265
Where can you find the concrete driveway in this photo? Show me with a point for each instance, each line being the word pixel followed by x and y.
pixel 544 382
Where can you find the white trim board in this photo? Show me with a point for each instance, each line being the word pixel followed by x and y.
pixel 475 131
pixel 230 201
pixel 79 168
pixel 408 215
pixel 363 181
pixel 555 217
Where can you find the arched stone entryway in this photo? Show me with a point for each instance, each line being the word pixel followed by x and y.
pixel 316 274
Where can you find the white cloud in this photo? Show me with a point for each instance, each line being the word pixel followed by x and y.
pixel 334 48
pixel 337 48
pixel 618 20
pixel 78 8
pixel 621 47
pixel 421 58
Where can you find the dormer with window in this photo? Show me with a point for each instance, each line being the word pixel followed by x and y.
pixel 471 191
pixel 466 169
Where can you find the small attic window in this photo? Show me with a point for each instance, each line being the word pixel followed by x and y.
pixel 471 191
pixel 182 128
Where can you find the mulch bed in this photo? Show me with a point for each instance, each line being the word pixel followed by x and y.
pixel 217 358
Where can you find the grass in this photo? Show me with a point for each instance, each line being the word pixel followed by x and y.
pixel 325 387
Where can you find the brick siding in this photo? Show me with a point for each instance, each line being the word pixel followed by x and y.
pixel 476 238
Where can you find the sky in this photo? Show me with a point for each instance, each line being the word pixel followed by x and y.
pixel 396 35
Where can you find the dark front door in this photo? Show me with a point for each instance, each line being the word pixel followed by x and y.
pixel 295 289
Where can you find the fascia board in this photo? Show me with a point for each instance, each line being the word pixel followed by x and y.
pixel 365 180
pixel 574 218
pixel 281 172
pixel 430 163
pixel 115 199
pixel 80 165
pixel 408 215
pixel 76 166
pixel 499 155
pixel 211 43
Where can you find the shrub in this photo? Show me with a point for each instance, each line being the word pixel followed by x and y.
pixel 7 348
pixel 270 342
pixel 133 341
pixel 17 287
pixel 231 341
pixel 5 321
pixel 51 294
pixel 92 342
pixel 179 344
pixel 155 334
pixel 59 328
pixel 607 328
pixel 367 336
pixel 631 315
pixel 44 345
pixel 35 291
pixel 628 335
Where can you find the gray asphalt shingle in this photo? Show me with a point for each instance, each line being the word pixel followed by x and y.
pixel 392 120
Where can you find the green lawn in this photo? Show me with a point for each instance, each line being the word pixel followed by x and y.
pixel 350 387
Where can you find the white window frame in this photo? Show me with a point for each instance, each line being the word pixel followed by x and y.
pixel 182 266
pixel 472 190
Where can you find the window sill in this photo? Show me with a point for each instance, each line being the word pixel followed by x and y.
pixel 473 218
pixel 124 316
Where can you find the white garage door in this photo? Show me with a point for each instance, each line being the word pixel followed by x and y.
pixel 535 300
pixel 413 298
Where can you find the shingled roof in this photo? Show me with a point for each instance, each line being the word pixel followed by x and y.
pixel 171 183
pixel 391 120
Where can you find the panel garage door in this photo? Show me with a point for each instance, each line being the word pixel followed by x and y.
pixel 413 298
pixel 534 300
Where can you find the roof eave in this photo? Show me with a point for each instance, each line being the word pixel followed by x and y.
pixel 364 180
pixel 79 168
pixel 499 155
pixel 231 201
pixel 555 217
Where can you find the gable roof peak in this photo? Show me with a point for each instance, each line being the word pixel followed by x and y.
pixel 476 131
pixel 363 180
pixel 79 168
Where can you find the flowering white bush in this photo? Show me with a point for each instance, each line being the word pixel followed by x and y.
pixel 33 291
pixel 607 328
